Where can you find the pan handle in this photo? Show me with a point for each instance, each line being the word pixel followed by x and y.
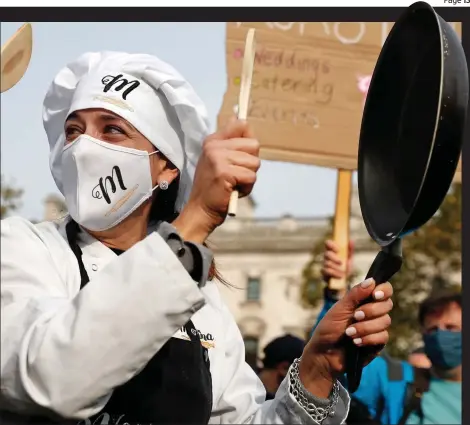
pixel 387 262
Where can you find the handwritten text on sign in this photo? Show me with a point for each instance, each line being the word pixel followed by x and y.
pixel 309 84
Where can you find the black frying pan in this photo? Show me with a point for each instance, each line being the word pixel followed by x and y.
pixel 411 139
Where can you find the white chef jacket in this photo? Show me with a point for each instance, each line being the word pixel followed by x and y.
pixel 63 349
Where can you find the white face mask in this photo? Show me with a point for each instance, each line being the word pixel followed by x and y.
pixel 104 183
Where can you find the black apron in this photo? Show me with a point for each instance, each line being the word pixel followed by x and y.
pixel 175 387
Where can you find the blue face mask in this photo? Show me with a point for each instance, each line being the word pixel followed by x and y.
pixel 444 348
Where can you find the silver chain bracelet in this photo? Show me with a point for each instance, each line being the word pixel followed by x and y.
pixel 318 414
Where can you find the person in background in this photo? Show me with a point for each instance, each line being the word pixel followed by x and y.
pixel 279 355
pixel 397 392
pixel 418 358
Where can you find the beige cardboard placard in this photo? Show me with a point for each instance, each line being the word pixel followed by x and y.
pixel 309 86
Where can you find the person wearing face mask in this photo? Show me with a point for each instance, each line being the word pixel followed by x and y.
pixel 113 314
pixel 279 355
pixel 437 396
pixel 397 392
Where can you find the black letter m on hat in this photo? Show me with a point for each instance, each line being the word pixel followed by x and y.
pixel 118 83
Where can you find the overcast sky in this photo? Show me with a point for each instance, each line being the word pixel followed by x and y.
pixel 197 50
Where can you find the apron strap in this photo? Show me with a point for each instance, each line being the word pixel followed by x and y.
pixel 72 229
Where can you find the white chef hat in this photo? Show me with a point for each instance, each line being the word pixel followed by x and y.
pixel 143 90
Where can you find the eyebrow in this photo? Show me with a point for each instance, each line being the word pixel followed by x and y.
pixel 103 116
pixel 109 117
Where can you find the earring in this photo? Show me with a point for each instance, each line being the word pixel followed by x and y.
pixel 163 185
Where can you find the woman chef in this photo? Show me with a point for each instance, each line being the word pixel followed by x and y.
pixel 106 315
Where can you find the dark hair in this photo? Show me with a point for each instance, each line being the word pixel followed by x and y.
pixel 163 209
pixel 286 348
pixel 163 205
pixel 437 303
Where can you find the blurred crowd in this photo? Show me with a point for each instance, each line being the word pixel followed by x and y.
pixel 426 388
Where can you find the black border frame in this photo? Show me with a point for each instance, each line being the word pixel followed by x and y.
pixel 278 14
pixel 217 14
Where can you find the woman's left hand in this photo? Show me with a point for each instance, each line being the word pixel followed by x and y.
pixel 323 358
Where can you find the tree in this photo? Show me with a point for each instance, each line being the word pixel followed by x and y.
pixel 11 197
pixel 312 280
pixel 313 285
pixel 432 261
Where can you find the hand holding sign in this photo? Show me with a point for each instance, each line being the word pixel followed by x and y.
pixel 15 57
pixel 230 158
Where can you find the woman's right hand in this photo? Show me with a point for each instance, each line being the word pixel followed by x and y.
pixel 229 160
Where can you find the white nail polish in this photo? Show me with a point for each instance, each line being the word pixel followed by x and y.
pixel 367 283
pixel 357 341
pixel 379 295
pixel 351 331
pixel 359 315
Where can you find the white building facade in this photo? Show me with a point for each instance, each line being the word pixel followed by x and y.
pixel 263 260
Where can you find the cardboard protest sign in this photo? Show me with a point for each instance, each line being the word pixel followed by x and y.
pixel 309 85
